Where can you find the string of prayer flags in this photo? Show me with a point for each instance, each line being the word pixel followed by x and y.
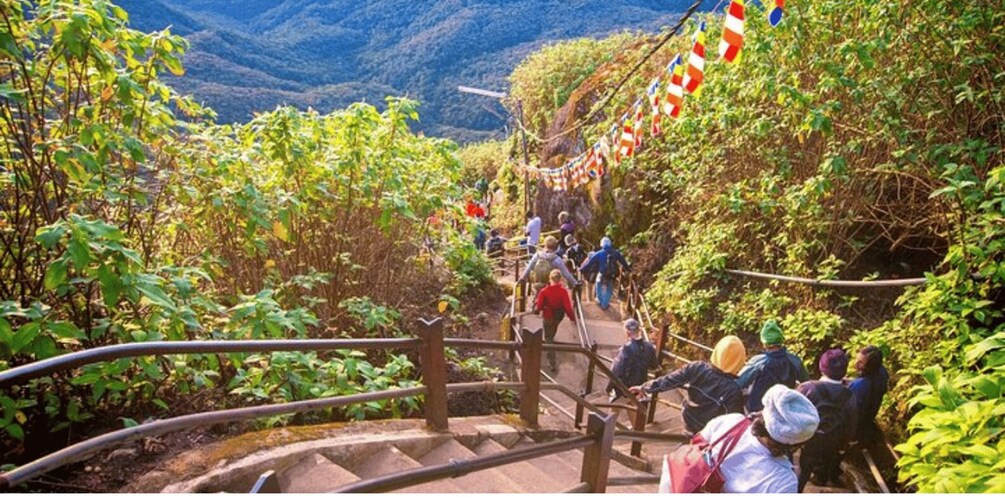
pixel 775 13
pixel 654 102
pixel 675 89
pixel 696 62
pixel 732 33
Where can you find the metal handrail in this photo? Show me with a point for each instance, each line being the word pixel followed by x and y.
pixel 460 467
pixel 86 449
pixel 74 360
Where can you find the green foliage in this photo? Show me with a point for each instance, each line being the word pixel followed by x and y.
pixel 122 222
pixel 547 78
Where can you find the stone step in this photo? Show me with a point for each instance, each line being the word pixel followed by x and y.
pixel 525 476
pixel 485 481
pixel 314 474
pixel 389 460
pixel 561 470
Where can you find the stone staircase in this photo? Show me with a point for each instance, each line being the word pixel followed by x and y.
pixel 323 459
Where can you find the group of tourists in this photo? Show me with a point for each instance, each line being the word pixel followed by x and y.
pixel 772 398
pixel 767 406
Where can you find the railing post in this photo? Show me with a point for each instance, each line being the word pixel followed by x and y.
pixel 661 341
pixel 434 372
pixel 530 375
pixel 597 457
pixel 591 369
pixel 639 424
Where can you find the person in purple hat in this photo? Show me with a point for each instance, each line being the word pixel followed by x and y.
pixel 836 405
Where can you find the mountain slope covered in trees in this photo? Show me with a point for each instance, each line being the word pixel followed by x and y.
pixel 249 56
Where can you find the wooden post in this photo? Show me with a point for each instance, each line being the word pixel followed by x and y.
pixel 661 341
pixel 434 372
pixel 530 375
pixel 590 371
pixel 639 424
pixel 597 457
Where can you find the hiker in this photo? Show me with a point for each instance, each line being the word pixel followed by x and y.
pixel 495 245
pixel 759 463
pixel 869 389
pixel 711 387
pixel 775 365
pixel 605 264
pixel 543 262
pixel 835 405
pixel 566 226
pixel 636 357
pixel 574 251
pixel 554 303
pixel 533 231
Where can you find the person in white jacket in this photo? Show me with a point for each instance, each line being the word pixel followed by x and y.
pixel 760 461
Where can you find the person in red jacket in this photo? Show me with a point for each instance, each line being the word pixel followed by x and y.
pixel 553 302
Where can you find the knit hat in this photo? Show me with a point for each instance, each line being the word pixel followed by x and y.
pixel 834 364
pixel 631 325
pixel 606 242
pixel 771 333
pixel 729 355
pixel 789 417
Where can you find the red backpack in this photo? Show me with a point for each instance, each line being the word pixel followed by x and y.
pixel 691 468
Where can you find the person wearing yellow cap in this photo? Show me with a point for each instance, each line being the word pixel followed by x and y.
pixel 711 386
pixel 775 366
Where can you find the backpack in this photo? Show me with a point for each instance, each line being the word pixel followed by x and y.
pixel 691 468
pixel 612 265
pixel 542 268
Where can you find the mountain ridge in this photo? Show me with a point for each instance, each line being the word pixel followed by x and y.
pixel 254 55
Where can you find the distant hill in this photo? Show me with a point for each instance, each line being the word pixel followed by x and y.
pixel 250 55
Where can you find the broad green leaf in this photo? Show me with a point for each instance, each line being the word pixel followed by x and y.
pixel 50 236
pixel 8 92
pixel 24 336
pixel 55 275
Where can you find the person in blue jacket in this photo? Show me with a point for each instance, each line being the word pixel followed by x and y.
pixel 869 389
pixel 605 264
pixel 775 366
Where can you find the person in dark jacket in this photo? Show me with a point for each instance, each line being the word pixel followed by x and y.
pixel 835 403
pixel 605 264
pixel 495 245
pixel 634 360
pixel 566 226
pixel 574 252
pixel 552 302
pixel 775 366
pixel 711 387
pixel 869 389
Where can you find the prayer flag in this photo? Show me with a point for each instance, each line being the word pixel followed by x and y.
pixel 732 33
pixel 695 74
pixel 654 102
pixel 775 13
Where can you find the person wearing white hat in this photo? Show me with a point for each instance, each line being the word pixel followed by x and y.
pixel 760 461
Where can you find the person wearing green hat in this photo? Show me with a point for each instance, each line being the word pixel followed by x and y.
pixel 775 366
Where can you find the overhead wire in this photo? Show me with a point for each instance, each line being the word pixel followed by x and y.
pixel 624 80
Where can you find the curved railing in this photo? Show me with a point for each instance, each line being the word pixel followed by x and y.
pixel 430 345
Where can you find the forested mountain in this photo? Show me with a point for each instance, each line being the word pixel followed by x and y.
pixel 251 55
